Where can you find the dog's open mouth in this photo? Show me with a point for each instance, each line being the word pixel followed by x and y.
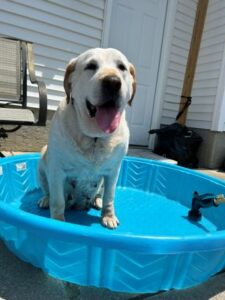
pixel 107 116
pixel 91 109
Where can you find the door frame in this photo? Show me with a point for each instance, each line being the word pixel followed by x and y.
pixel 163 64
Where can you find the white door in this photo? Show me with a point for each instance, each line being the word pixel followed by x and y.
pixel 136 28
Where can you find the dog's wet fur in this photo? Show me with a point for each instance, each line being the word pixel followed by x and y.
pixel 89 135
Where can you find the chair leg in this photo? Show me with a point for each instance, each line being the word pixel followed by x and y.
pixel 1 155
pixel 3 134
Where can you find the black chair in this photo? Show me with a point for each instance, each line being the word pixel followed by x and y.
pixel 16 58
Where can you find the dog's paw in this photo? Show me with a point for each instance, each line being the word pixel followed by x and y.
pixel 60 217
pixel 97 202
pixel 110 222
pixel 44 202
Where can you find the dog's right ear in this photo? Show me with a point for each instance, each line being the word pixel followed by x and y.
pixel 67 78
pixel 134 83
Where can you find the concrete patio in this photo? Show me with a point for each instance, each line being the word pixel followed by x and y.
pixel 22 281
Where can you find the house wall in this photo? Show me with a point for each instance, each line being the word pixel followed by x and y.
pixel 178 55
pixel 209 67
pixel 206 86
pixel 60 30
pixel 207 112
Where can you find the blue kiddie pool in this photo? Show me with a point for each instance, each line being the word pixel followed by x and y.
pixel 156 247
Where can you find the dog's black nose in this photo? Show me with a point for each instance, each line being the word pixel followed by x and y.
pixel 111 84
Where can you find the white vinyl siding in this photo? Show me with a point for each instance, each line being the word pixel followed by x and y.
pixel 209 67
pixel 60 30
pixel 182 33
pixel 207 110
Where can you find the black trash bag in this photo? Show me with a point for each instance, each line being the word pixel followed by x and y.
pixel 222 166
pixel 179 143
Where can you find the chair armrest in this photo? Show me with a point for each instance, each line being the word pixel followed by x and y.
pixel 42 117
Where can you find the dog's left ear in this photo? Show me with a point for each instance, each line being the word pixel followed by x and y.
pixel 67 78
pixel 134 84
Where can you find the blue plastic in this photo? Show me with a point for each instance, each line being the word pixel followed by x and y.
pixel 156 247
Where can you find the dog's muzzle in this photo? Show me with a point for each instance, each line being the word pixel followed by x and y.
pixel 110 91
pixel 107 113
pixel 110 86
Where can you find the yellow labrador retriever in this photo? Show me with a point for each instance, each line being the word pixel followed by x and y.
pixel 89 135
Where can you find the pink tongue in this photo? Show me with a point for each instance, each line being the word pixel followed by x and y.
pixel 108 119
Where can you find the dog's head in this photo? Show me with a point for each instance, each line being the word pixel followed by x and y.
pixel 99 83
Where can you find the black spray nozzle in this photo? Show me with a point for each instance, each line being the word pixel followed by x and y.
pixel 203 201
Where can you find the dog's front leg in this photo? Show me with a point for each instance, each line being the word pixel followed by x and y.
pixel 56 196
pixel 109 218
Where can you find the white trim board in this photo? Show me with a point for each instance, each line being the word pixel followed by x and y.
pixel 106 24
pixel 218 121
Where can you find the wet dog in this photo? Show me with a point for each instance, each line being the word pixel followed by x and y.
pixel 89 135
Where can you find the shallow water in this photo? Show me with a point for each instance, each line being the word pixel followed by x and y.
pixel 140 213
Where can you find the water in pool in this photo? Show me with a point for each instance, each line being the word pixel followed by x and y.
pixel 140 213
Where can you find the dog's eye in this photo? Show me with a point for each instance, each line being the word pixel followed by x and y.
pixel 122 67
pixel 91 66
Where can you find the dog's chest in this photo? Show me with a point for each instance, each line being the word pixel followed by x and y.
pixel 87 166
pixel 94 152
